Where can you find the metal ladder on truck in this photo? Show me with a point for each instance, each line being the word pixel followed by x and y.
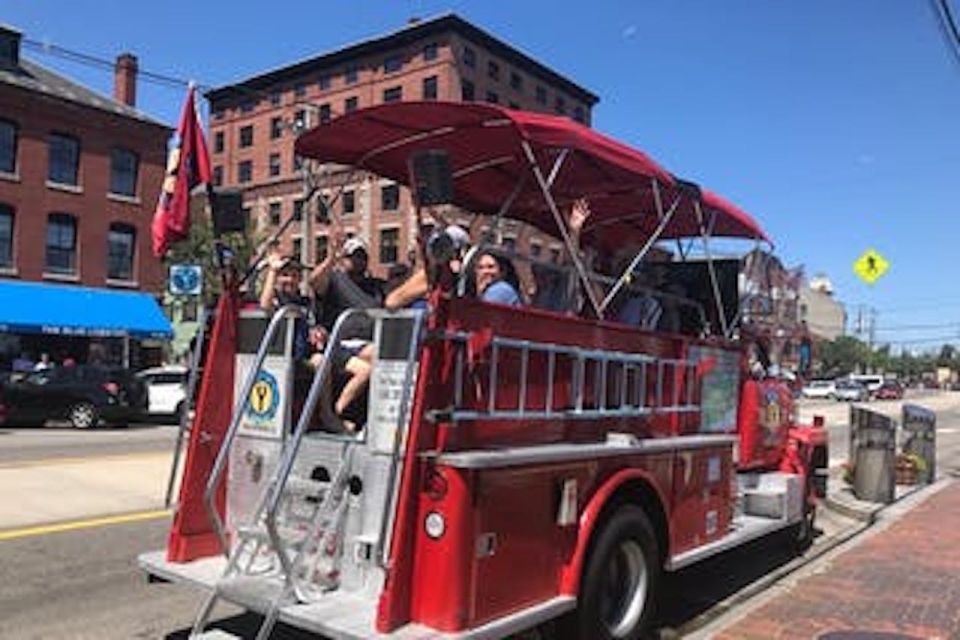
pixel 290 549
pixel 618 382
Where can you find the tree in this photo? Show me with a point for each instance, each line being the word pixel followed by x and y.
pixel 947 357
pixel 842 356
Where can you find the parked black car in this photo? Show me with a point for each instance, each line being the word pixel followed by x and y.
pixel 84 395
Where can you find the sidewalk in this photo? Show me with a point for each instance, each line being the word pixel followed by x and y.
pixel 902 577
pixel 62 490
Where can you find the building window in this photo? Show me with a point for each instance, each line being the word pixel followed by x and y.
pixel 350 104
pixel 297 163
pixel 389 240
pixel 300 89
pixel 274 164
pixel 6 236
pixel 300 120
pixel 298 249
pixel 541 95
pixel 8 146
pixel 516 81
pixel 349 202
pixel 276 127
pixel 430 88
pixel 467 91
pixel 298 210
pixel 246 136
pixel 244 171
pixel 578 114
pixel 323 82
pixel 247 106
pixel 393 94
pixel 61 243
pixel 351 74
pixel 322 214
pixel 430 51
pixel 273 213
pixel 217 176
pixel 492 97
pixel 320 248
pixel 218 142
pixel 124 166
pixel 121 243
pixel 64 160
pixel 393 64
pixel 469 57
pixel 560 106
pixel 493 70
pixel 275 97
pixel 324 113
pixel 217 114
pixel 390 197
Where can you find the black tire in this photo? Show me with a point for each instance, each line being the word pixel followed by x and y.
pixel 620 581
pixel 83 415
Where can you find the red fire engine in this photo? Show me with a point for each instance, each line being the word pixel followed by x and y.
pixel 516 465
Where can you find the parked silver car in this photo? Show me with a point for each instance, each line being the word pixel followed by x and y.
pixel 851 391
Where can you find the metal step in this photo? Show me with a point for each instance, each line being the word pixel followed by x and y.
pixel 257 593
pixel 300 486
pixel 215 634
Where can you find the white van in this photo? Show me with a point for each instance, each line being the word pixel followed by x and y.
pixel 871 381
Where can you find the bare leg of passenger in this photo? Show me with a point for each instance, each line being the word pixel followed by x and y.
pixel 329 419
pixel 359 371
pixel 366 354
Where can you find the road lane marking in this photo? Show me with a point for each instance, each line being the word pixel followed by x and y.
pixel 74 525
pixel 46 462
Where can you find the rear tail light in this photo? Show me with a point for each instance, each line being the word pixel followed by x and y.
pixel 111 387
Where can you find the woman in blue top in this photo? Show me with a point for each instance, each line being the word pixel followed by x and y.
pixel 493 278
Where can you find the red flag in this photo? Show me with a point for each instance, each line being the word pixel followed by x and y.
pixel 188 165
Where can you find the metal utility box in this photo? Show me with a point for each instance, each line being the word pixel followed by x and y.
pixel 919 438
pixel 873 444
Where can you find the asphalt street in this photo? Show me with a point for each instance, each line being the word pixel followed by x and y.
pixel 22 444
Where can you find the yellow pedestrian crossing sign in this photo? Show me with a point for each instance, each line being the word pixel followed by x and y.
pixel 870 266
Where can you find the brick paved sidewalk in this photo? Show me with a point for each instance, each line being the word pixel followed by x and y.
pixel 904 579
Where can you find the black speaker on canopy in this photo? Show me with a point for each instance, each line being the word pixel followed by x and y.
pixel 431 177
pixel 228 213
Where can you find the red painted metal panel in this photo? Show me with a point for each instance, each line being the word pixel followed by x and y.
pixel 702 498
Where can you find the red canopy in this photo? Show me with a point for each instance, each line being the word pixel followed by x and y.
pixel 485 146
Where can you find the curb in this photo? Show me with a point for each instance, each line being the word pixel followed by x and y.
pixel 867 517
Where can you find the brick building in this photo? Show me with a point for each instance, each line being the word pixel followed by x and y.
pixel 254 123
pixel 79 177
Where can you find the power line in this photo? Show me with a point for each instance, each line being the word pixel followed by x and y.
pixel 173 82
pixel 96 62
pixel 948 26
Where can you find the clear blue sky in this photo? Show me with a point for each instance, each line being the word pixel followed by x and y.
pixel 835 123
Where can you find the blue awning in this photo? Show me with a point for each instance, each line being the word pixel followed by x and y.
pixel 32 307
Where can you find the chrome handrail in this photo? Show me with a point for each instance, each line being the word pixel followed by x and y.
pixel 224 451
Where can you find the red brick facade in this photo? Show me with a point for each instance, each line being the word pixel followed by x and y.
pixel 449 52
pixel 32 197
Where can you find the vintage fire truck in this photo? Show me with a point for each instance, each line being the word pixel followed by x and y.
pixel 517 465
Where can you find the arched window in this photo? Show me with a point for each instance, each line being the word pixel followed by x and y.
pixel 121 246
pixel 61 256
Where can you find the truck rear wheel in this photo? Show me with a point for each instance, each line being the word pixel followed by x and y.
pixel 620 581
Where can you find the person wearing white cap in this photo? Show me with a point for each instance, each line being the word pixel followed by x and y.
pixel 341 282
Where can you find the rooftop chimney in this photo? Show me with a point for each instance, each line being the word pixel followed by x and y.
pixel 125 79
pixel 9 48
